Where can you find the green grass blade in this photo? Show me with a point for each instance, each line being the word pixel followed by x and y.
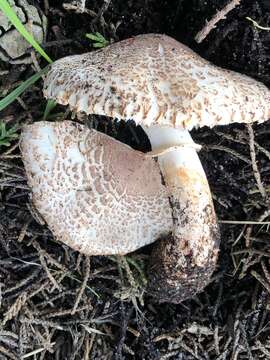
pixel 51 104
pixel 10 14
pixel 98 39
pixel 101 38
pixel 7 135
pixel 98 45
pixel 92 36
pixel 21 88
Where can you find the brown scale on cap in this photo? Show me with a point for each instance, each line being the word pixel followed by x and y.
pixel 96 194
pixel 154 79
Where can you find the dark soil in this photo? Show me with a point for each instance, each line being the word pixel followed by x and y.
pixel 40 279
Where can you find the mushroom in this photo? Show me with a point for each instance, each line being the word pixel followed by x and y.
pixel 168 89
pixel 91 189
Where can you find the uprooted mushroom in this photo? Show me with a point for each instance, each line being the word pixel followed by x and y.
pixel 168 89
pixel 91 189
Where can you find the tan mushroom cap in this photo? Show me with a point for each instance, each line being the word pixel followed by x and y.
pixel 96 194
pixel 154 79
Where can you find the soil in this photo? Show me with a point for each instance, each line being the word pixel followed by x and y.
pixel 40 280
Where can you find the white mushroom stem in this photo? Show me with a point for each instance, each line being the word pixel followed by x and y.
pixel 193 247
pixel 188 186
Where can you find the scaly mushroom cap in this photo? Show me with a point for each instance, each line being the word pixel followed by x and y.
pixel 154 79
pixel 96 194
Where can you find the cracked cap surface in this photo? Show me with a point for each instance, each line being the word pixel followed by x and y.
pixel 96 194
pixel 153 79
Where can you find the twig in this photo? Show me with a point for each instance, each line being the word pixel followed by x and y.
pixel 263 349
pixel 251 251
pixel 23 231
pixel 216 340
pixel 44 323
pixel 261 280
pixel 220 15
pixel 248 263
pixel 61 312
pixel 49 258
pixel 248 235
pixel 15 307
pixel 264 215
pixel 23 283
pixel 87 348
pixel 34 352
pixel 84 283
pixel 266 272
pixel 7 353
pixel 78 262
pixel 238 222
pixel 229 151
pixel 263 150
pixel 45 267
pixel 245 339
pixel 256 172
pixel 257 25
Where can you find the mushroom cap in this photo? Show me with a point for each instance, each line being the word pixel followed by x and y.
pixel 154 79
pixel 96 194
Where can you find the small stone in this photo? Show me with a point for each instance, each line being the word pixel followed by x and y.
pixel 13 46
